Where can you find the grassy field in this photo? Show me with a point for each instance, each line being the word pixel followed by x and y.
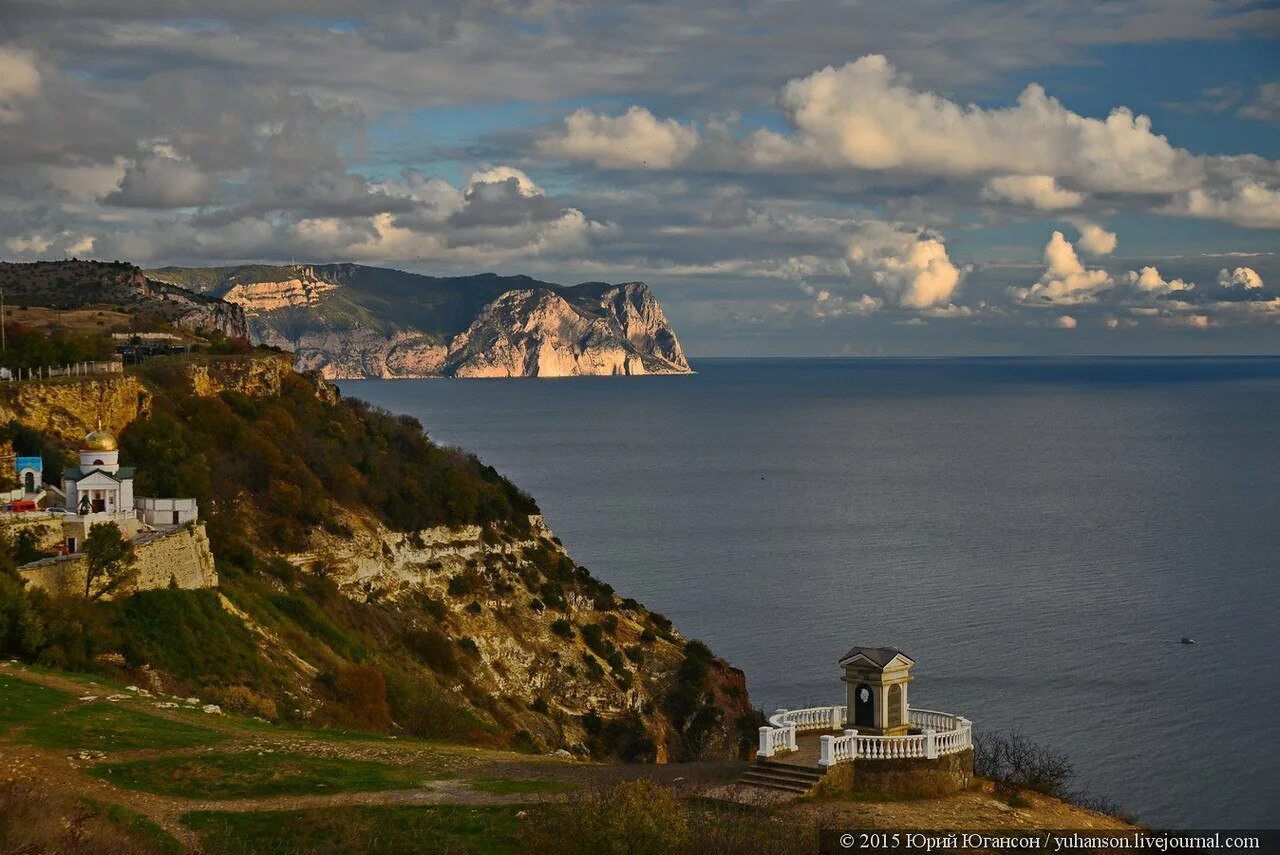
pixel 105 727
pixel 149 836
pixel 396 830
pixel 23 703
pixel 236 776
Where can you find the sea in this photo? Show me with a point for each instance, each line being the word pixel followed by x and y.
pixel 1038 534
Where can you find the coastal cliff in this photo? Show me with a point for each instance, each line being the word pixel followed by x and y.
pixel 617 662
pixel 347 321
pixel 361 567
pixel 542 334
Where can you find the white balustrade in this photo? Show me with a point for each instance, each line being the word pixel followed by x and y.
pixel 940 734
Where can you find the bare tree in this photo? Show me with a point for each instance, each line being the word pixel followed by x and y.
pixel 1014 763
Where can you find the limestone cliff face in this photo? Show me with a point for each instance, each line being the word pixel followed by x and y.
pixel 197 315
pixel 538 333
pixel 347 321
pixel 258 376
pixel 356 354
pixel 256 297
pixel 71 408
pixel 523 658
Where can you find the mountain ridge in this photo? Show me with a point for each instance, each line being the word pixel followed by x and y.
pixel 349 321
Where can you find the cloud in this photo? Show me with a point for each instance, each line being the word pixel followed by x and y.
pixel 1065 322
pixel 1065 280
pixel 911 266
pixel 1265 105
pixel 1149 281
pixel 828 305
pixel 1247 202
pixel 636 140
pixel 1041 192
pixel 1241 277
pixel 1096 240
pixel 160 181
pixel 865 115
pixel 19 81
pixel 38 245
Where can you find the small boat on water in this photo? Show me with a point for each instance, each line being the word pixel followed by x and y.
pixel 1185 640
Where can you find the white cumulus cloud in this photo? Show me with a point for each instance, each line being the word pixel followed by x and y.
pixel 1065 280
pixel 1149 281
pixel 1247 202
pixel 636 139
pixel 866 115
pixel 1096 240
pixel 1241 277
pixel 1041 192
pixel 912 267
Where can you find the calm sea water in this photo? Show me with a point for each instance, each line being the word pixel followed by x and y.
pixel 1037 534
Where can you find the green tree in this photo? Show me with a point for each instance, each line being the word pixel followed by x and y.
pixel 111 559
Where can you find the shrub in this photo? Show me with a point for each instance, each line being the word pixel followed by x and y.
pixel 244 700
pixel 474 608
pixel 524 742
pixel 690 702
pixel 553 595
pixel 434 648
pixel 460 586
pixel 591 636
pixel 425 709
pixel 1014 763
pixel 469 646
pixel 362 692
pixel 562 628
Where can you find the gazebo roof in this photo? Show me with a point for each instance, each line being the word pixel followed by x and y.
pixel 878 656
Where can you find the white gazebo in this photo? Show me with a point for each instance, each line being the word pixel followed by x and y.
pixel 882 726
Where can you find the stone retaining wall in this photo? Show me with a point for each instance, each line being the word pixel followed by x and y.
pixel 178 557
pixel 943 776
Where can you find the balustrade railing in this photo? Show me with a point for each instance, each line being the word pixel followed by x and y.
pixel 941 734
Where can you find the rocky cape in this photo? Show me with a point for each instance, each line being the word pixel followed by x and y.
pixel 348 321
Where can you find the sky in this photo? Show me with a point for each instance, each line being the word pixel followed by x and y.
pixel 923 177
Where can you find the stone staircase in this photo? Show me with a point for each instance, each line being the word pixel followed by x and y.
pixel 782 777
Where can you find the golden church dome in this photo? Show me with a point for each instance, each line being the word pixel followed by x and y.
pixel 100 440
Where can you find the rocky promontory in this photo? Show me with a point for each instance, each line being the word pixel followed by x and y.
pixel 348 321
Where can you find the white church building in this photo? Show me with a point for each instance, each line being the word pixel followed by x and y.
pixel 101 490
pixel 99 484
